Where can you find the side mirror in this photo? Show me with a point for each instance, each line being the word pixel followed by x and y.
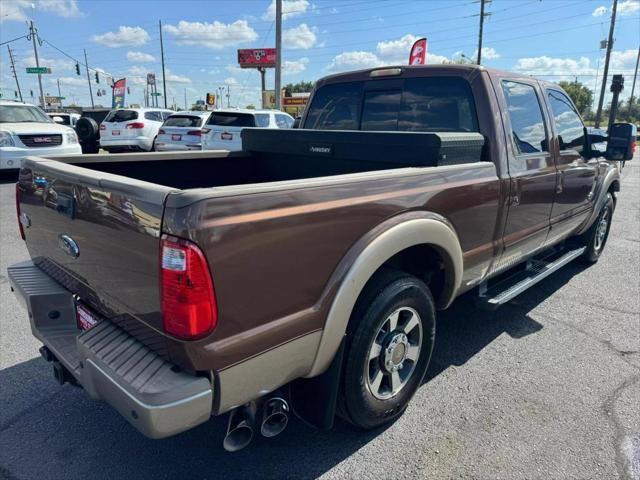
pixel 58 119
pixel 622 141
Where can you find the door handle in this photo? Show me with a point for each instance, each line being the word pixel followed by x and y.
pixel 515 201
pixel 560 184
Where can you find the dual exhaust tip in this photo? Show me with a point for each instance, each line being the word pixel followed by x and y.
pixel 242 422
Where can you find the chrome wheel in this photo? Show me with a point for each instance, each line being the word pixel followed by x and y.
pixel 394 353
pixel 601 231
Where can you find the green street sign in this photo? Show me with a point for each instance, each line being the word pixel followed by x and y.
pixel 156 94
pixel 38 70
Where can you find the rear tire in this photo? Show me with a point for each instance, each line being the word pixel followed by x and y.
pixel 389 343
pixel 596 237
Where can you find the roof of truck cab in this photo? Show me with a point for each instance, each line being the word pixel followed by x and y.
pixel 465 70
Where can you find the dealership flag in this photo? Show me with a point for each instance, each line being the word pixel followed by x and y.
pixel 119 91
pixel 418 52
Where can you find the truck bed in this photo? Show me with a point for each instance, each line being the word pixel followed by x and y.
pixel 278 155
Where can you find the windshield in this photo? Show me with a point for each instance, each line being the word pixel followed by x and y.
pixel 232 119
pixel 121 116
pixel 22 114
pixel 183 121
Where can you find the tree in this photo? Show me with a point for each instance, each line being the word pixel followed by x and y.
pixel 581 95
pixel 300 87
pixel 251 106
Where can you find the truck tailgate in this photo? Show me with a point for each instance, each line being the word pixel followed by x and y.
pixel 98 235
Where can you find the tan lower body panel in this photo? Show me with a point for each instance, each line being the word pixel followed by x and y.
pixel 266 372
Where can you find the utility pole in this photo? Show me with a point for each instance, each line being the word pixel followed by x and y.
pixel 59 93
pixel 86 64
pixel 33 33
pixel 164 77
pixel 185 99
pixel 606 62
pixel 228 96
pixel 482 15
pixel 278 52
pixel 15 74
pixel 263 83
pixel 633 85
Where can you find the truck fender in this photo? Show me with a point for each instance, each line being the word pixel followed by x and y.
pixel 402 232
pixel 611 181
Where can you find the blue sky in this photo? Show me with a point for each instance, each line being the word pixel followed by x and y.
pixel 553 39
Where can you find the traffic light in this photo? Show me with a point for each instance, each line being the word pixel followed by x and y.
pixel 97 78
pixel 77 68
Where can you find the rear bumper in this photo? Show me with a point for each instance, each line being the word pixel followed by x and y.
pixel 111 364
pixel 142 143
pixel 176 147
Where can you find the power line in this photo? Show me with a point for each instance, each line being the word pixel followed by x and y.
pixel 13 40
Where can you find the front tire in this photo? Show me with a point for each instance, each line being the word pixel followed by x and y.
pixel 596 237
pixel 389 345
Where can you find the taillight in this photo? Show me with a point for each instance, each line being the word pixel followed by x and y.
pixel 161 132
pixel 103 126
pixel 205 130
pixel 20 227
pixel 197 133
pixel 135 125
pixel 188 301
pixel 634 145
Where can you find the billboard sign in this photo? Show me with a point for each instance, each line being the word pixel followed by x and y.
pixel 295 101
pixel 257 57
pixel 151 78
pixel 211 98
pixel 119 92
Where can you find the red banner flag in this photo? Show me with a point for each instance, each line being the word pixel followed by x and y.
pixel 418 52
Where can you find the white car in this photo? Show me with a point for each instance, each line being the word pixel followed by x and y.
pixel 26 130
pixel 222 130
pixel 182 131
pixel 64 118
pixel 132 129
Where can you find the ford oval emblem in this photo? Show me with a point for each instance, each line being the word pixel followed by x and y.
pixel 68 245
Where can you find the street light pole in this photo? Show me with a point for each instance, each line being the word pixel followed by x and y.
pixel 164 77
pixel 86 64
pixel 633 85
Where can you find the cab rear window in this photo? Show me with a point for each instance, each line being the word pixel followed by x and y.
pixel 183 121
pixel 121 116
pixel 433 104
pixel 224 119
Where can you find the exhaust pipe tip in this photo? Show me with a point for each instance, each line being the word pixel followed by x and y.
pixel 275 417
pixel 240 428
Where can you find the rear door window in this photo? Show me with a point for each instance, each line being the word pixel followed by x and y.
pixel 183 121
pixel 232 119
pixel 380 110
pixel 262 120
pixel 569 126
pixel 121 116
pixel 527 124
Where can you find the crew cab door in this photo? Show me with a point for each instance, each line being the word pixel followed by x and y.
pixel 531 168
pixel 577 173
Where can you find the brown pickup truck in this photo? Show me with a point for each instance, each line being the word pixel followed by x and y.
pixel 304 273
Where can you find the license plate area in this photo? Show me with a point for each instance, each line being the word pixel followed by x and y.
pixel 115 132
pixel 85 318
pixel 176 137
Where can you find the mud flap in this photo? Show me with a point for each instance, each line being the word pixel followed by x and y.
pixel 314 400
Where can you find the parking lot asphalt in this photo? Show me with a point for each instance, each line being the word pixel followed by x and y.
pixel 546 387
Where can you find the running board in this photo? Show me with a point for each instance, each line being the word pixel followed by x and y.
pixel 509 288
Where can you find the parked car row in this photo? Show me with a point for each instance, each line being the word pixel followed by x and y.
pixel 26 127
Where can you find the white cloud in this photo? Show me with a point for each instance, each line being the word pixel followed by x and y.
pixel 214 35
pixel 301 37
pixel 231 81
pixel 19 10
pixel 57 65
pixel 140 57
pixel 73 81
pixel 487 53
pixel 233 69
pixel 622 60
pixel 175 78
pixel 600 11
pixel 138 70
pixel 628 7
pixel 390 52
pixel 293 67
pixel 565 67
pixel 125 36
pixel 290 8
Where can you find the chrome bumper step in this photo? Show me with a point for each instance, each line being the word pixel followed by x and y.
pixel 501 292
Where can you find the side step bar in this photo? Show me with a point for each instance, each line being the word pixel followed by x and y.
pixel 510 287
